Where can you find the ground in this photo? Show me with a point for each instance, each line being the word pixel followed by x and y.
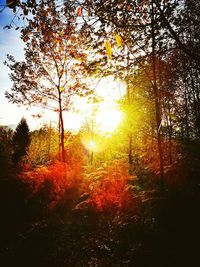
pixel 163 232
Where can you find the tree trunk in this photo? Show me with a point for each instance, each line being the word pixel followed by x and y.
pixel 130 135
pixel 62 131
pixel 130 156
pixel 157 102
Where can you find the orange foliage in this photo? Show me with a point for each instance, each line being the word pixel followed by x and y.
pixel 79 11
pixel 111 192
pixel 62 183
pixel 56 179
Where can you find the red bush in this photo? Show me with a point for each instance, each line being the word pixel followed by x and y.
pixel 111 191
pixel 55 180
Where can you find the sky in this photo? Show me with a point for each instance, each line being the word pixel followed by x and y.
pixel 10 43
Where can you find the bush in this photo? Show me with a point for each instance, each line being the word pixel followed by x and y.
pixel 55 185
pixel 109 190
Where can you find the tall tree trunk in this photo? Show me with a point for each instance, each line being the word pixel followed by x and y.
pixel 49 130
pixel 157 102
pixel 62 131
pixel 130 134
pixel 170 131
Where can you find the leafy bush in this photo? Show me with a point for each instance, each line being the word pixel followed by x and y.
pixel 53 183
pixel 109 190
pixel 43 148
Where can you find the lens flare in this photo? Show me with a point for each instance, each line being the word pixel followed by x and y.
pixel 93 142
pixel 91 145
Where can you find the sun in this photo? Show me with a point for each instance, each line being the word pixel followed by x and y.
pixel 108 117
pixel 103 116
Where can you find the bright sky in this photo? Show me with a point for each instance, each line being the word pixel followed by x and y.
pixel 11 114
pixel 10 43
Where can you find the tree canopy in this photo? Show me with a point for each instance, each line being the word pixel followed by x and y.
pixel 54 65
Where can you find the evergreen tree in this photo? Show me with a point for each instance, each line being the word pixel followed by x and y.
pixel 21 141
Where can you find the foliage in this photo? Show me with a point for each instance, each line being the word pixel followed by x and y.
pixel 57 183
pixel 54 64
pixel 108 188
pixel 5 149
pixel 43 146
pixel 104 201
pixel 20 141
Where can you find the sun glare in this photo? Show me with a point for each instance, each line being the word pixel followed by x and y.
pixel 91 145
pixel 108 118
pixel 110 88
pixel 104 115
pixel 73 121
pixel 93 142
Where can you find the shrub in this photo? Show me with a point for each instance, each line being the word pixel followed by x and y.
pixel 53 183
pixel 109 190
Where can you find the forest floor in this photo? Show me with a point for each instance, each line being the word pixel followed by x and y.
pixel 163 231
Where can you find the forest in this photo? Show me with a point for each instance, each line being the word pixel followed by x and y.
pixel 117 182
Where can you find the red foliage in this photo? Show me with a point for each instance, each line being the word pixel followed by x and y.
pixel 62 183
pixel 111 192
pixel 55 180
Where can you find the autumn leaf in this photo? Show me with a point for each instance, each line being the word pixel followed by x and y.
pixel 62 32
pixel 62 89
pixel 79 11
pixel 172 116
pixel 119 40
pixel 25 12
pixel 108 49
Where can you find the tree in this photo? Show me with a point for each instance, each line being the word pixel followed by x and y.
pixel 20 141
pixel 151 31
pixel 178 34
pixel 5 148
pixel 54 65
pixel 140 27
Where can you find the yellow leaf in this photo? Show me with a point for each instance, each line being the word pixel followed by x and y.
pixel 119 40
pixel 172 116
pixel 62 89
pixel 62 32
pixel 108 49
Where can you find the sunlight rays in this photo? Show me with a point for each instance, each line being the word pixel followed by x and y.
pixel 108 117
pixel 101 113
